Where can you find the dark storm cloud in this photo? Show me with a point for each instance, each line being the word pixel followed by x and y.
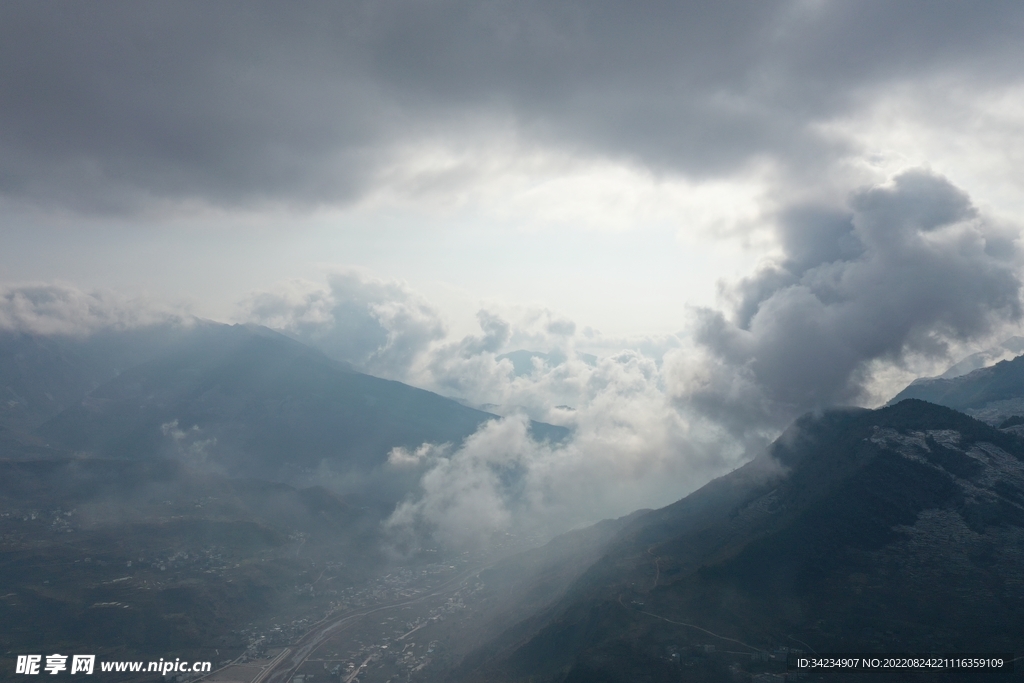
pixel 906 268
pixel 109 106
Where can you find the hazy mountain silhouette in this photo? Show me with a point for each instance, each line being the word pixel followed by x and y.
pixel 991 394
pixel 155 484
pixel 899 530
pixel 41 375
pixel 240 400
pixel 1006 350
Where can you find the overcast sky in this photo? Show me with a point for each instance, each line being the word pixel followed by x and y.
pixel 610 162
pixel 747 209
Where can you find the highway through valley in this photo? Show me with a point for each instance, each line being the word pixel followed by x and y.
pixel 287 663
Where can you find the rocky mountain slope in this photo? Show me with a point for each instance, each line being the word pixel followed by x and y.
pixel 992 394
pixel 895 530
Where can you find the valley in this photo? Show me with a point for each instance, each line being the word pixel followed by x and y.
pixel 894 530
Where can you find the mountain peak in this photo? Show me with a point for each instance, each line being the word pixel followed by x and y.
pixel 991 394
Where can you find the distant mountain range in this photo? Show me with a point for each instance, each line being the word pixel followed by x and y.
pixel 993 394
pixel 41 375
pixel 162 487
pixel 238 400
pixel 1005 350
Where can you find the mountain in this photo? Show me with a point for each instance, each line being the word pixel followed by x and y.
pixel 991 394
pixel 1006 350
pixel 894 530
pixel 239 400
pixel 41 375
pixel 175 490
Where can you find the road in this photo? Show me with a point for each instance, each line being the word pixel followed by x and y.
pixel 284 666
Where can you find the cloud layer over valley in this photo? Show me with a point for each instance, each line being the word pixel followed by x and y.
pixel 899 275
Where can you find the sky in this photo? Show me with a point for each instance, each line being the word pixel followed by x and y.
pixel 744 210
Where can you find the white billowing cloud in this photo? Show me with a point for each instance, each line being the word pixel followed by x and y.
pixel 629 449
pixel 904 271
pixel 897 276
pixel 384 328
pixel 377 326
pixel 472 370
pixel 57 309
pixel 402 458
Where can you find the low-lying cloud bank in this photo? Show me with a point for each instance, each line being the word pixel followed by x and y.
pixel 630 446
pixel 380 327
pixel 900 272
pixel 502 480
pixel 60 309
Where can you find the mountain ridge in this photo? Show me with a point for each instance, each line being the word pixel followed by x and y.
pixel 862 540
pixel 245 400
pixel 991 394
